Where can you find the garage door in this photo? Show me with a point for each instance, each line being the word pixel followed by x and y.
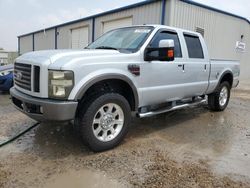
pixel 107 26
pixel 79 37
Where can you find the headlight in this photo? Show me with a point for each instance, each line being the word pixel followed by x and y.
pixel 5 72
pixel 60 84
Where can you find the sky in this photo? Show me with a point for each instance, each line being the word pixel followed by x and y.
pixel 18 17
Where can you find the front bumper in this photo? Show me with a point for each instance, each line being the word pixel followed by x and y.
pixel 43 109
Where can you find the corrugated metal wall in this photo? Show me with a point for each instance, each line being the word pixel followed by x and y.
pixel 245 57
pixel 221 30
pixel 147 14
pixel 26 44
pixel 44 40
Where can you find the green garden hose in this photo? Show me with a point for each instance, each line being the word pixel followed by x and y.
pixel 18 135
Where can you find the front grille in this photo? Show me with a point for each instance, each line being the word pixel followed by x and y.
pixel 36 79
pixel 22 75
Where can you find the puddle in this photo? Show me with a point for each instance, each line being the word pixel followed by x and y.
pixel 4 99
pixel 82 179
pixel 218 142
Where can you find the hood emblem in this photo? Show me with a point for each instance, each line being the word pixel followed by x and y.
pixel 19 75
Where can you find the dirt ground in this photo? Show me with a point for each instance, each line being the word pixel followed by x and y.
pixel 188 148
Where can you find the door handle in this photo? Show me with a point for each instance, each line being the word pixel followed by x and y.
pixel 205 68
pixel 182 66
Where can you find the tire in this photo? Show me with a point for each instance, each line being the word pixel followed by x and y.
pixel 103 121
pixel 217 103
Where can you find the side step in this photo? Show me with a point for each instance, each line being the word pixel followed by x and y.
pixel 164 110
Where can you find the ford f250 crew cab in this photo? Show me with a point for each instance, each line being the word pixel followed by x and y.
pixel 140 70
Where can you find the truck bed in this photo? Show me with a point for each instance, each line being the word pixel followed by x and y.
pixel 219 67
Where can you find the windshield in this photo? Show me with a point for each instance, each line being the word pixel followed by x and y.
pixel 125 39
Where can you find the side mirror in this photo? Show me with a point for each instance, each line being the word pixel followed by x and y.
pixel 165 51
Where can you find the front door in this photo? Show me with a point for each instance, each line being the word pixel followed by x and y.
pixel 163 80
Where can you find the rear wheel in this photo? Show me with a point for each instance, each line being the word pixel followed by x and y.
pixel 103 121
pixel 219 100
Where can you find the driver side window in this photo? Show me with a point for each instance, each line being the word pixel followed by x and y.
pixel 166 35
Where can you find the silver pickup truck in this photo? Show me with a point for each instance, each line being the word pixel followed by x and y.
pixel 140 70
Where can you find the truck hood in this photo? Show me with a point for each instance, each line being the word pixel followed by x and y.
pixel 60 58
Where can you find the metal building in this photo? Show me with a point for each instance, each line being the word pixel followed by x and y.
pixel 3 57
pixel 227 35
pixel 7 57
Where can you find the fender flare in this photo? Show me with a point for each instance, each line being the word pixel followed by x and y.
pixel 222 75
pixel 84 88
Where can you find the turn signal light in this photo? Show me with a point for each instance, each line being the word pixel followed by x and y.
pixel 170 53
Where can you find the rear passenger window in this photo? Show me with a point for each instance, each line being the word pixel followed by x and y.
pixel 165 35
pixel 194 47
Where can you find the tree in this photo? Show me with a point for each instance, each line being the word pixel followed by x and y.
pixel 1 48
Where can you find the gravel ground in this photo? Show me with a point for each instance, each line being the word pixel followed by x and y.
pixel 187 148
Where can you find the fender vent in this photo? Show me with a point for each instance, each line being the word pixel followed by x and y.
pixel 134 69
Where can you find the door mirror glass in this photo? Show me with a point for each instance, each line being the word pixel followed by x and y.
pixel 165 51
pixel 166 43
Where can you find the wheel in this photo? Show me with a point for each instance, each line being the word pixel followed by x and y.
pixel 103 121
pixel 219 100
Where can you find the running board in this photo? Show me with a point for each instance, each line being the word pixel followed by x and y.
pixel 149 114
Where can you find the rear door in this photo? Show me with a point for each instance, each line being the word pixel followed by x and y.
pixel 196 67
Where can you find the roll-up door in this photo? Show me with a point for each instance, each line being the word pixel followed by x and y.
pixel 109 25
pixel 79 37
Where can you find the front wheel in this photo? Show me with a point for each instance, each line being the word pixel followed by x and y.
pixel 219 100
pixel 104 120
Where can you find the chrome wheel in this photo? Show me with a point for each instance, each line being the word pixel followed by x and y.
pixel 223 96
pixel 108 122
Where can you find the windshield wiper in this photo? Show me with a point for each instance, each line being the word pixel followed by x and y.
pixel 106 47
